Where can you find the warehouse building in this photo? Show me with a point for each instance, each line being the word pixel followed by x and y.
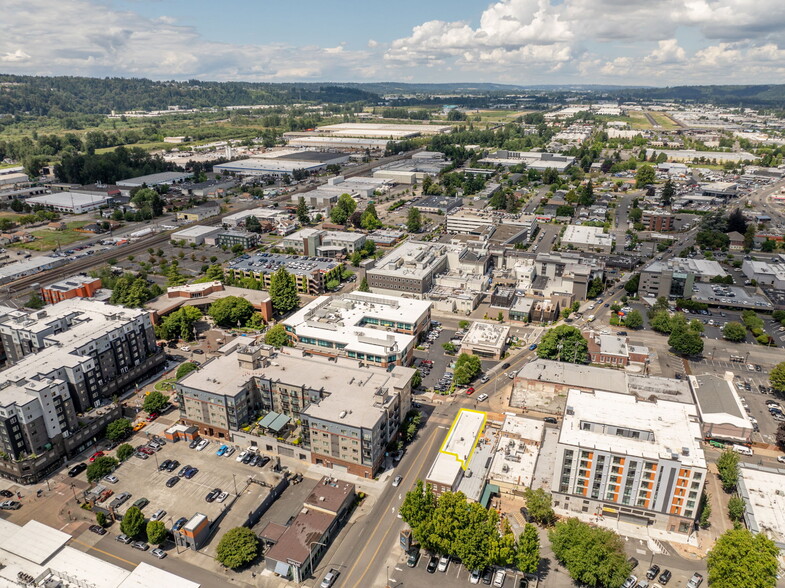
pixel 536 160
pixel 199 213
pixel 152 180
pixel 722 415
pixel 28 267
pixel 195 235
pixel 71 202
pixel 280 164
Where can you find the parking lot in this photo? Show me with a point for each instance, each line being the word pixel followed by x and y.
pixel 455 574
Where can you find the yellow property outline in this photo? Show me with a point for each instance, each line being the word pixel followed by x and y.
pixel 476 438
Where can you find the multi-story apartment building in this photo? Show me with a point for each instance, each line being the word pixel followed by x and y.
pixel 378 330
pixel 245 239
pixel 68 360
pixel 310 274
pixel 328 243
pixel 348 412
pixel 619 457
pixel 80 286
pixel 674 278
pixel 658 220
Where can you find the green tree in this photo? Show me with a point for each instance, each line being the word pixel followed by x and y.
pixel 686 342
pixel 118 430
pixel 635 215
pixel 231 311
pixel 125 451
pixel 343 209
pixel 538 504
pixel 156 532
pixel 302 211
pixel 564 343
pixel 155 401
pixel 363 287
pixel 369 220
pixel 418 507
pixel 276 336
pixel 736 508
pixel 101 519
pixel 332 285
pixel 179 324
pixel 133 522
pixel 596 286
pixel 253 225
pixel 705 510
pixel 592 555
pixel 416 379
pixel 467 367
pixel 728 469
pixel 631 285
pixel 185 368
pixel 768 246
pixel 668 191
pixel 749 237
pixel 527 551
pixel 256 321
pixel 643 177
pixel 449 347
pixel 237 547
pixel 463 324
pixel 740 558
pixel 633 320
pixel 777 377
pixel 100 468
pixel 734 331
pixel 283 291
pixel 661 322
pixel 414 220
pixel 696 326
pixel 35 302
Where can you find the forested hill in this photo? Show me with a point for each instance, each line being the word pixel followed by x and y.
pixel 46 96
pixel 749 95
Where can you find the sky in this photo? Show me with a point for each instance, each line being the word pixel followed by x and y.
pixel 525 42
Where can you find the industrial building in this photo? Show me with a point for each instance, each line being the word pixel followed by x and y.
pixel 380 130
pixel 692 156
pixel 71 202
pixel 438 204
pixel 195 235
pixel 765 273
pixel 318 141
pixel 280 164
pixel 412 171
pixel 311 274
pixel 674 277
pixel 199 213
pixel 621 458
pixel 152 180
pixel 79 286
pixel 536 160
pixel 28 267
pixel 348 412
pixel 378 330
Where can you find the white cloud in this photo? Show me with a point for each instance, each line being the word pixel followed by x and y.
pixel 667 51
pixel 372 44
pixel 17 55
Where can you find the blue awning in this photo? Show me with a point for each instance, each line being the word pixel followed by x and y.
pixel 282 569
pixel 490 490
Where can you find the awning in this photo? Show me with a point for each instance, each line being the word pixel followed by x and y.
pixel 268 419
pixel 282 569
pixel 610 510
pixel 490 490
pixel 279 423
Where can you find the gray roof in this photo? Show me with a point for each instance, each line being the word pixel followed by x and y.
pixel 714 396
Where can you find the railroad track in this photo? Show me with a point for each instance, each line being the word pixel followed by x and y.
pixel 23 286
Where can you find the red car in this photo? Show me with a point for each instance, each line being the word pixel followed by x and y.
pixel 145 449
pixel 96 455
pixel 152 416
pixel 470 391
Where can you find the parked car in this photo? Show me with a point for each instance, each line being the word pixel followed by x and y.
pixel 172 481
pixel 158 552
pixel 229 451
pixel 140 503
pixel 665 577
pixel 96 455
pixel 140 545
pixel 414 557
pixel 498 578
pixel 397 481
pixel 652 572
pixel 202 444
pixel 183 470
pixel 122 538
pixel 194 443
pixel 178 524
pixel 444 563
pixel 695 581
pixel 433 563
pixel 551 420
pixel 97 529
pixel 630 582
pixel 222 496
pixel 191 473
pixel 242 456
pixel 164 465
pixel 10 505
pixel 212 494
pixel 475 577
pixel 120 499
pixel 111 478
pixel 329 579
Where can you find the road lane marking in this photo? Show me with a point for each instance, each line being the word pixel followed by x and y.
pixel 93 547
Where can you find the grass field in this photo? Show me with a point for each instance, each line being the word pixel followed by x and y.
pixel 498 115
pixel 48 240
pixel 664 121
pixel 12 215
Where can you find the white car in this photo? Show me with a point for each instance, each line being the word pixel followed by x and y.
pixel 202 444
pixel 444 563
pixel 241 456
pixel 111 479
pixel 186 348
pixel 222 496
pixel 158 515
pixel 229 451
pixel 498 579
pixel 482 397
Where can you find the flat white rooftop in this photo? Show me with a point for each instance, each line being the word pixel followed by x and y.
pixel 68 199
pixel 457 448
pixel 486 334
pixel 197 231
pixel 674 425
pixel 34 541
pixel 762 490
pixel 515 458
pixel 585 235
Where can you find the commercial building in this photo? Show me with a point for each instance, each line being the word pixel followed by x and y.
pixel 28 267
pixel 539 161
pixel 674 277
pixel 68 359
pixel 311 274
pixel 324 243
pixel 770 273
pixel 380 130
pixel 71 202
pixel 152 180
pixel 337 143
pixel 39 555
pixel 377 330
pixel 692 156
pixel 348 412
pixel 282 163
pixel 613 350
pixel 516 454
pixel 244 239
pixel 203 295
pixel 554 273
pixel 586 238
pixel 485 340
pixel 79 286
pixel 263 215
pixel 296 548
pixel 199 213
pixel 452 462
pixel 735 241
pixel 464 221
pixel 363 186
pixel 721 413
pixel 438 204
pixel 196 234
pixel 658 220
pixel 412 268
pixel 629 460
pixel 412 171
pixel 764 501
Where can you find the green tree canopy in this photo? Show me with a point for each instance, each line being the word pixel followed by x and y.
pixel 364 287
pixel 631 285
pixel 633 320
pixel 527 552
pixel 237 547
pixel 283 291
pixel 466 369
pixel 276 336
pixel 133 522
pixel 414 220
pixel 734 331
pixel 592 555
pixel 118 430
pixel 155 401
pixel 156 532
pixel 538 504
pixel 343 209
pixel 728 469
pixel 369 220
pixel 777 377
pixel 736 508
pixel 565 343
pixel 101 467
pixel 302 211
pixel 179 324
pixel 740 558
pixel 185 368
pixel 125 451
pixel 686 342
pixel 644 176
pixel 231 311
